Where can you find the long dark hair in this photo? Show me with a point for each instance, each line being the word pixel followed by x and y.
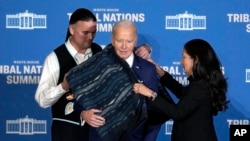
pixel 207 66
pixel 80 14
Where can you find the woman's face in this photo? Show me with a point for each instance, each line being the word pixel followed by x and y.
pixel 187 63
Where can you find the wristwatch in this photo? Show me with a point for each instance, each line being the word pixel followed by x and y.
pixel 153 96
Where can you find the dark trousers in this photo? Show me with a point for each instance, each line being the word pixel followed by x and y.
pixel 145 132
pixel 92 133
pixel 64 131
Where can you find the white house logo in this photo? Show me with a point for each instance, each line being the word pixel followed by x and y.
pixel 248 75
pixel 26 21
pixel 168 127
pixel 186 22
pixel 26 126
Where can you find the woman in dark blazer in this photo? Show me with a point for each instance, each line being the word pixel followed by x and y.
pixel 199 101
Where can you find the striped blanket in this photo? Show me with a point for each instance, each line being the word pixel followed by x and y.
pixel 105 82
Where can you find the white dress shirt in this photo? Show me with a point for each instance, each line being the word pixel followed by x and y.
pixel 130 60
pixel 48 92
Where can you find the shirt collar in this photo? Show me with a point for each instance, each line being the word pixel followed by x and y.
pixel 130 60
pixel 70 48
pixel 73 51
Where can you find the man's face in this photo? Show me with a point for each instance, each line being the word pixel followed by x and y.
pixel 83 33
pixel 124 40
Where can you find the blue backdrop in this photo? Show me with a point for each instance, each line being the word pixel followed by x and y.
pixel 32 29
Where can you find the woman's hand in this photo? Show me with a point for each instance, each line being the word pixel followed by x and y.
pixel 140 88
pixel 159 70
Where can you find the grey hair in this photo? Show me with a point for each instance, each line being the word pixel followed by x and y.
pixel 123 23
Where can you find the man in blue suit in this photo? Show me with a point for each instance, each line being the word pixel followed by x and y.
pixel 121 49
pixel 145 74
pixel 124 38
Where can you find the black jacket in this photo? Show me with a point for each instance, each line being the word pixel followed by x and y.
pixel 192 115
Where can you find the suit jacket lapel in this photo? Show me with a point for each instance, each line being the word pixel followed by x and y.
pixel 137 68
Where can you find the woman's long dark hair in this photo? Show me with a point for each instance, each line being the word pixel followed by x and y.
pixel 208 67
pixel 80 14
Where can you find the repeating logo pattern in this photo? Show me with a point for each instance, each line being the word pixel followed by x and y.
pixel 26 126
pixel 26 21
pixel 186 21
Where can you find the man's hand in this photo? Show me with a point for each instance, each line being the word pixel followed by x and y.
pixel 65 84
pixel 91 117
pixel 143 51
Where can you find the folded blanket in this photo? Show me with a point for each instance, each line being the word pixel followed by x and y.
pixel 105 82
